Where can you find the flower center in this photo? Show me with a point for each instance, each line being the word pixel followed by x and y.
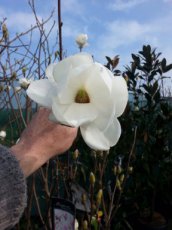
pixel 82 96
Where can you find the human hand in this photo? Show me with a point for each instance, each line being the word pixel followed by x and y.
pixel 41 140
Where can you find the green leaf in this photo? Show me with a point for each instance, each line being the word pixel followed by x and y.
pixel 148 97
pixel 136 59
pixel 148 49
pixel 146 87
pixel 163 64
pixel 109 60
pixel 167 68
pixel 151 76
pixel 154 87
pixel 144 49
pixel 94 224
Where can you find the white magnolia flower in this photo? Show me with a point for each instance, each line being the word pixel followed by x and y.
pixel 24 82
pixel 84 94
pixel 3 134
pixel 81 40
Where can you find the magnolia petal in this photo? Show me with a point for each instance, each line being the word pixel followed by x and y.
pixel 102 121
pixel 42 92
pixel 94 138
pixel 76 80
pixel 81 59
pixel 99 88
pixel 64 67
pixel 67 96
pixel 100 77
pixel 120 94
pixel 74 114
pixel 58 116
pixel 49 72
pixel 113 132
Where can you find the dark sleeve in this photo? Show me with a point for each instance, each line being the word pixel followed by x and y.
pixel 12 189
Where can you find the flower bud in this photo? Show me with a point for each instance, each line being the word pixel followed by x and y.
pixel 75 154
pixel 99 196
pixel 119 169
pixel 94 221
pixel 76 224
pixel 115 170
pixel 118 184
pixel 83 198
pixel 136 108
pixel 13 76
pixel 130 169
pixel 85 225
pixel 81 40
pixel 3 134
pixel 92 179
pixel 5 31
pixel 121 178
pixel 1 88
pixel 24 83
pixel 24 71
pixel 17 89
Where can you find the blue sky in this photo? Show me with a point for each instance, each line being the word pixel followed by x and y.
pixel 114 27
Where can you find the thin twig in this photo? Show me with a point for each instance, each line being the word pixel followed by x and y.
pixel 60 30
pixel 126 176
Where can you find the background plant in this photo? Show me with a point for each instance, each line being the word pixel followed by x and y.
pixel 151 113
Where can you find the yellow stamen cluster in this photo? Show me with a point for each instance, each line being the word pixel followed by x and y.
pixel 82 97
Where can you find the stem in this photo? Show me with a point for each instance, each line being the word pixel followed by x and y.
pixel 38 205
pixel 60 30
pixel 28 212
pixel 111 206
pixel 91 199
pixel 28 109
pixel 20 110
pixel 113 212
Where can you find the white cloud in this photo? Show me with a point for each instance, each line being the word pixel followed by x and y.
pixel 124 33
pixel 70 30
pixel 126 36
pixel 21 21
pixel 122 5
pixel 18 21
pixel 72 6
